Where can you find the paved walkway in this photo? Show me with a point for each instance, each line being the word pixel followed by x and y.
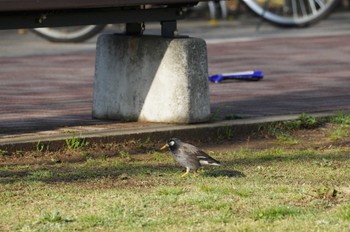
pixel 51 93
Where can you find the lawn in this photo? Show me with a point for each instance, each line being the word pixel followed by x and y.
pixel 294 179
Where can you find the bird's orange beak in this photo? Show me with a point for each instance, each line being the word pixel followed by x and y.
pixel 165 146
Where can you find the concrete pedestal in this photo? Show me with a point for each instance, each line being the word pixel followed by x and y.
pixel 150 78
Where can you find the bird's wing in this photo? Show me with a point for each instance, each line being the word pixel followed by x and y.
pixel 200 155
pixel 204 158
pixel 189 150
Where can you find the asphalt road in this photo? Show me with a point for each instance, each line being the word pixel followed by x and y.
pixel 47 86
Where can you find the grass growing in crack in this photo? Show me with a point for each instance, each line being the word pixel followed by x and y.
pixel 76 143
pixel 225 133
pixel 215 116
pixel 41 147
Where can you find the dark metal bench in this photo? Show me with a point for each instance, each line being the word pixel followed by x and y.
pixel 16 14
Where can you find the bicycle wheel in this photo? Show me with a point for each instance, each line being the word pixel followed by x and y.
pixel 69 34
pixel 292 13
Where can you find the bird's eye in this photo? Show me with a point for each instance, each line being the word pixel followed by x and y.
pixel 171 143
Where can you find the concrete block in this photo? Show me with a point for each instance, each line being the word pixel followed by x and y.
pixel 150 78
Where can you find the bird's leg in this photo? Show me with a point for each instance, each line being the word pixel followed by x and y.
pixel 186 173
pixel 195 174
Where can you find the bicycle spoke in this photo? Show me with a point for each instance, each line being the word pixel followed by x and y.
pixel 320 3
pixel 292 12
pixel 303 8
pixel 313 6
pixel 294 9
pixel 265 7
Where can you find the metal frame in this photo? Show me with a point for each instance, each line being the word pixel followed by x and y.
pixel 57 18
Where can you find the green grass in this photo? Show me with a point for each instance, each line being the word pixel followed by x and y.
pixel 278 212
pixel 341 118
pixel 286 138
pixel 257 190
pixel 340 132
pixel 292 182
pixel 341 122
pixel 283 131
pixel 73 142
pixel 225 133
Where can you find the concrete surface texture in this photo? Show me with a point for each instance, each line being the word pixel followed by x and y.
pixel 151 79
pixel 47 88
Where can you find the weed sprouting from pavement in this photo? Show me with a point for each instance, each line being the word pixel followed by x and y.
pixel 76 143
pixel 215 116
pixel 225 133
pixel 41 147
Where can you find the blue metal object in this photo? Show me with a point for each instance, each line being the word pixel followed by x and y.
pixel 248 75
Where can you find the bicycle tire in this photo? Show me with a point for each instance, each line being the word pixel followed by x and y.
pixel 68 34
pixel 292 13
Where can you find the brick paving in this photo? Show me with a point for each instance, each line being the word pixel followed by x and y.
pixel 41 93
pixel 301 75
